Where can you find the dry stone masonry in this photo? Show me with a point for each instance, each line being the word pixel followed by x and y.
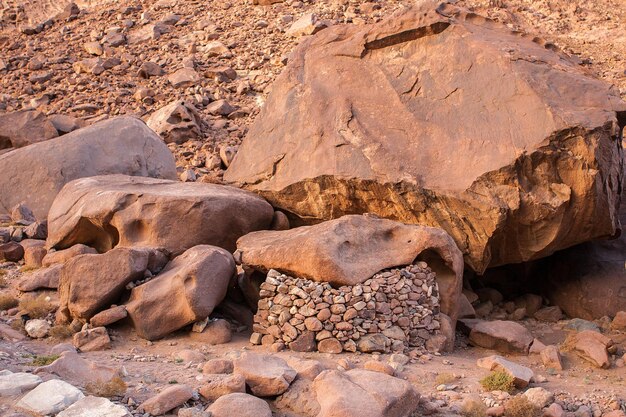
pixel 394 309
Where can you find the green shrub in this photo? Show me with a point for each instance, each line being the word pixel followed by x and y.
pixel 43 360
pixel 498 381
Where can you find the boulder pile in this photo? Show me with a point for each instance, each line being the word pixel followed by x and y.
pixel 400 304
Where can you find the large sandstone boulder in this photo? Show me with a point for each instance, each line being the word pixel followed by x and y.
pixel 589 280
pixel 186 291
pixel 107 211
pixel 92 282
pixel 350 250
pixel 124 145
pixel 441 118
pixel 24 128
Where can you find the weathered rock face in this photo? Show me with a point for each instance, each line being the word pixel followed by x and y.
pixel 589 280
pixel 187 290
pixel 442 118
pixel 123 145
pixel 107 211
pixel 24 128
pixel 350 250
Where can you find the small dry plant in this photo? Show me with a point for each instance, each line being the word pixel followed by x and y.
pixel 520 406
pixel 116 387
pixel 498 381
pixel 37 308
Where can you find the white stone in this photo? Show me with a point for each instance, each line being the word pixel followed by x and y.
pixel 94 407
pixel 539 397
pixel 51 397
pixel 37 328
pixel 17 383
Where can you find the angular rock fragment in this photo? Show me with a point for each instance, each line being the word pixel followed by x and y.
pixel 503 336
pixel 92 339
pixel 167 399
pixel 12 384
pixel 24 128
pixel 241 405
pixel 177 122
pixel 73 368
pixel 592 346
pixel 266 375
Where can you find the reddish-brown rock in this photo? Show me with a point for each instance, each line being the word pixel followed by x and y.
pixel 11 251
pixel 216 386
pixel 41 278
pixel 92 339
pixel 350 250
pixel 362 393
pixel 503 336
pixel 240 405
pixel 266 375
pixel 592 346
pixel 443 118
pixel 186 291
pixel 23 128
pixel 90 283
pixel 167 399
pixel 62 256
pixel 120 210
pixel 122 145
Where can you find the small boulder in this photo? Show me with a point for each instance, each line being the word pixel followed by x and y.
pixel 94 406
pixel 177 122
pixel 217 332
pixel 218 366
pixel 37 328
pixel 62 256
pixel 44 278
pixel 11 251
pixel 240 405
pixel 112 210
pixel 109 316
pixel 503 336
pixel 199 277
pixel 92 339
pixel 550 314
pixel 362 393
pixel 539 397
pixel 265 375
pixel 25 127
pixel 330 345
pixel 370 343
pixel 619 322
pixel 167 399
pixel 216 386
pixel 592 347
pixel 50 397
pixel 551 358
pixel 12 384
pixel 73 368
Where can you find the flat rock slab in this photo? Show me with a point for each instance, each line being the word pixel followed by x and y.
pixel 362 393
pixel 266 375
pixel 521 374
pixel 122 145
pixel 240 405
pixel 121 210
pixel 436 116
pixel 73 368
pixel 94 407
pixel 50 397
pixel 167 399
pixel 503 336
pixel 16 383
